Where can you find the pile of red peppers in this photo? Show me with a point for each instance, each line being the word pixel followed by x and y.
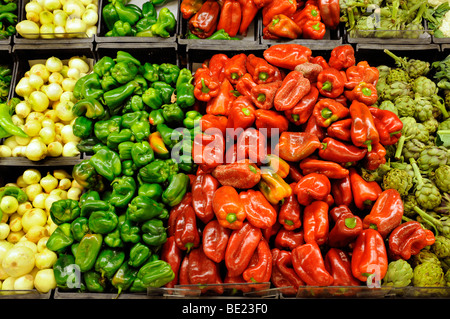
pixel 296 211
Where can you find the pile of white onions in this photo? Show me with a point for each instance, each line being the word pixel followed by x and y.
pixel 50 19
pixel 46 114
pixel 25 261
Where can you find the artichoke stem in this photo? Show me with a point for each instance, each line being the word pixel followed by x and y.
pixel 430 220
pixel 400 143
pixel 417 174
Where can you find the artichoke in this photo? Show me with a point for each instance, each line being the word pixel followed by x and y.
pixel 424 86
pixel 409 202
pixel 423 108
pixel 405 106
pixel 414 67
pixel 427 194
pixel 428 274
pixel 375 175
pixel 423 135
pixel 439 107
pixel 383 71
pixel 412 149
pixel 399 274
pixel 409 131
pixel 389 106
pixel 395 89
pixel 444 125
pixel 444 207
pixel 431 125
pixel 397 179
pixel 441 225
pixel 432 157
pixel 397 74
pixel 425 255
pixel 441 247
pixel 447 277
pixel 441 178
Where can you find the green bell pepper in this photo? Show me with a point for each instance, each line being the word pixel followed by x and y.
pixel 139 254
pixel 79 227
pixel 169 136
pixel 152 98
pixel 60 239
pixel 123 191
pixel 135 103
pixel 127 13
pixel 113 238
pixel 117 137
pixel 103 66
pixel 93 205
pixel 128 168
pixel 124 277
pixel 91 108
pixel 141 130
pixel 185 89
pixel 14 191
pixel 154 191
pixel 88 196
pixel 109 15
pixel 106 162
pixel 86 175
pixel 128 119
pixel 165 24
pixel 65 273
pixel 87 251
pixel 143 208
pixel 154 233
pixel 142 154
pixel 103 128
pixel 173 166
pixel 174 193
pixel 121 29
pixel 150 71
pixel 129 233
pixel 103 219
pixel 145 24
pixel 124 72
pixel 88 87
pixel 172 113
pixel 124 149
pixel 109 261
pixel 156 117
pixel 168 73
pixel 94 281
pixel 83 127
pixel 64 211
pixel 154 172
pixel 192 119
pixel 115 98
pixel 221 35
pixel 108 83
pixel 165 89
pixel 156 273
pixel 149 10
pixel 123 56
pixel 161 2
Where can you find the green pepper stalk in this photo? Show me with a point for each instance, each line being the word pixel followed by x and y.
pixel 441 226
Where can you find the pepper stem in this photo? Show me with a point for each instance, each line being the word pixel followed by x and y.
pixel 366 91
pixel 263 76
pixel 246 111
pixel 261 97
pixel 327 86
pixel 350 222
pixel 326 113
pixel 231 218
pixel 205 89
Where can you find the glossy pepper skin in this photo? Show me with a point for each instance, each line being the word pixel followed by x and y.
pixel 143 208
pixel 290 211
pixel 361 72
pixel 124 277
pixel 190 7
pixel 242 113
pixel 61 238
pixel 369 256
pixel 364 193
pixel 312 187
pixel 386 214
pixel 341 190
pixel 330 169
pixel 315 222
pixel 314 30
pixel 155 273
pixel 205 85
pixel 154 233
pixel 289 239
pixel 308 263
pixel 295 146
pixel 337 262
pixel 88 250
pixel 287 56
pixel 186 233
pixel 293 88
pixel 243 174
pixel 340 152
pixel 330 12
pixel 273 187
pixel 228 208
pixel 330 83
pixel 204 22
pixel 273 8
pixel 387 124
pixel 270 122
pixel 259 268
pixel 283 273
pixel 346 229
pixel 408 239
pixel 214 240
pixel 89 107
pixel 221 104
pixel 109 261
pixel 177 187
pixel 263 95
pixel 139 254
pixel 86 175
pixel 79 227
pixel 203 189
pixel 342 57
pixel 240 248
pixel 165 23
pixel 340 130
pixel 230 17
pixel 363 130
pixel 64 211
pixel 102 217
pixel 259 212
pixel 363 92
pixel 301 112
pixel 375 157
pixel 124 188
pixel 63 276
pixel 171 254
pixel 245 84
pixel 260 70
pixel 284 27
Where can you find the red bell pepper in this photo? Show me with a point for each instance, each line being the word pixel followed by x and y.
pixel 313 30
pixel 312 187
pixel 409 239
pixel 337 211
pixel 327 111
pixel 341 130
pixel 375 157
pixel 268 233
pixel 363 130
pixel 330 83
pixel 290 212
pixel 270 122
pixel 308 263
pixel 310 12
pixel 237 283
pixel 363 92
pixel 230 17
pixel 242 113
pixel 330 169
pixel 320 60
pixel 208 150
pixel 387 124
pixel 261 71
pixel 386 214
pixel 251 145
pixel 210 123
pixel 221 104
pixel 301 112
pixel 263 95
pixel 259 212
pixel 364 193
pixel 203 189
pixel 216 65
pixel 242 174
pixel 294 173
pixel 342 57
pixel 186 233
pixel 235 68
pixel 204 22
pixel 171 254
pixel 361 72
pixel 309 70
pixel 273 8
pixel 205 86
pixel 176 211
pixel 215 240
pixel 315 222
pixel 245 85
pixel 228 208
pixel 369 257
pixel 240 248
pixel 287 56
pixel 295 146
pixel 312 127
pixel 341 152
pixel 190 7
pixel 293 88
pixel 284 27
pixel 337 262
pixel 277 165
pixel 341 190
pixel 289 239
pixel 198 269
pixel 249 11
pixel 259 268
pixel 347 227
pixel 283 273
pixel 331 12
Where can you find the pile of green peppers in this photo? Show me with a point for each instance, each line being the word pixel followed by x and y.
pixel 5 81
pixel 130 114
pixel 125 19
pixel 8 18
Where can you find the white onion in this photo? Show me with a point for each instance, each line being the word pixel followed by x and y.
pixel 28 29
pixel 90 17
pixel 47 31
pixel 64 111
pixel 46 17
pixel 78 63
pixel 70 149
pixel 59 18
pixel 24 88
pixel 36 150
pixel 5 151
pixel 56 77
pixel 41 70
pixel 55 149
pixel 39 101
pixel 35 81
pixel 52 5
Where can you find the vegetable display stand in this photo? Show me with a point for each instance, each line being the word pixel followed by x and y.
pixel 138 22
pixel 81 33
pixel 396 37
